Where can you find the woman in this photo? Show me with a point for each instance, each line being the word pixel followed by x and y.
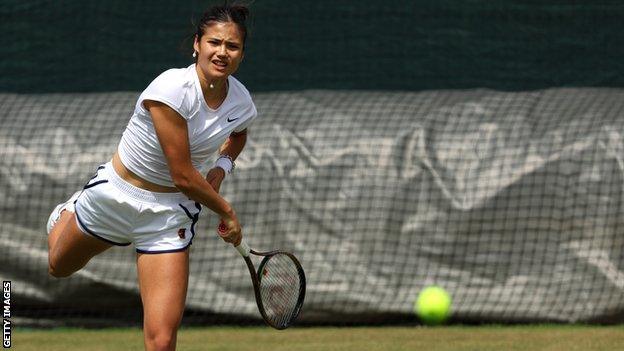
pixel 150 193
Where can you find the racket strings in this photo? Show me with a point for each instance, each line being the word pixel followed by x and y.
pixel 280 288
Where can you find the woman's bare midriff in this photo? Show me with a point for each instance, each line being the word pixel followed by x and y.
pixel 137 181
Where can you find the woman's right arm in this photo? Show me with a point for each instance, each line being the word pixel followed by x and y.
pixel 172 132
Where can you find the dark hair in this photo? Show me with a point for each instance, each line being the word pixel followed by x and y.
pixel 236 13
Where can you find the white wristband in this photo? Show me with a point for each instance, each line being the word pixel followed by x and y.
pixel 226 163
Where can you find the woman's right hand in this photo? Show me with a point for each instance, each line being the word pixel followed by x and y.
pixel 230 230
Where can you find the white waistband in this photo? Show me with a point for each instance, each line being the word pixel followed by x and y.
pixel 138 193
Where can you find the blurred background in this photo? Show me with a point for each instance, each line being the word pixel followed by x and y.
pixel 473 145
pixel 69 46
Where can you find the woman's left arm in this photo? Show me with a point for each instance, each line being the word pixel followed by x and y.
pixel 232 147
pixel 234 144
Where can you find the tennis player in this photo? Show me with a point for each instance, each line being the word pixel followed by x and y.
pixel 150 193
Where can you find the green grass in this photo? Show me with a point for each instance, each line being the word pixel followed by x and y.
pixel 455 338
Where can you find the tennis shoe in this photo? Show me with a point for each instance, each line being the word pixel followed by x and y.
pixel 65 206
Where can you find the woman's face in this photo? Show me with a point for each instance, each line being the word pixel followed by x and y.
pixel 219 50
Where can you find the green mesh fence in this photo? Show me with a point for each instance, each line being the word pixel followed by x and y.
pixel 511 201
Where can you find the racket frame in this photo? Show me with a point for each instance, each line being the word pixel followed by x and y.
pixel 245 251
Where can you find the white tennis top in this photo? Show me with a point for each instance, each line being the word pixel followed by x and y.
pixel 208 129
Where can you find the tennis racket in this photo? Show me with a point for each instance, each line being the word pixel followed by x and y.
pixel 279 284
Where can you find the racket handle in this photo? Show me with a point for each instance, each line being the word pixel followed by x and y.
pixel 243 248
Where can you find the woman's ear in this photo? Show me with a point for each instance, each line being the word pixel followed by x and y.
pixel 196 43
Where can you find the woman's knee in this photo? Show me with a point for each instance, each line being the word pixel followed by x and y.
pixel 57 270
pixel 59 274
pixel 160 338
pixel 72 250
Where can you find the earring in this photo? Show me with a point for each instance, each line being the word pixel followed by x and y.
pixel 194 54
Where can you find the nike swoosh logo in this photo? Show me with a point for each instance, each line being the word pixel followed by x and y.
pixel 232 119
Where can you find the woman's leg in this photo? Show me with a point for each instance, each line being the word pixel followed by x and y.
pixel 163 280
pixel 69 249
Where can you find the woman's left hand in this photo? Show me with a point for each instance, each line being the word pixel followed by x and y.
pixel 215 177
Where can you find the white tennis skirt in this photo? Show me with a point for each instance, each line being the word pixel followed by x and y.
pixel 119 213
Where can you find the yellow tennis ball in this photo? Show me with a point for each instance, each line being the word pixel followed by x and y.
pixel 433 305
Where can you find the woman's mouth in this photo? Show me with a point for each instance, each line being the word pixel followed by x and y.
pixel 219 63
